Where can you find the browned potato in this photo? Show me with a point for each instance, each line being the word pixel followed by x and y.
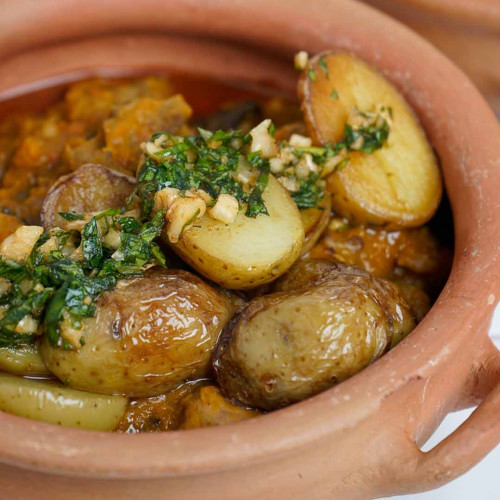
pixel 330 323
pixel 207 407
pixel 157 413
pixel 91 188
pixel 400 184
pixel 137 122
pixel 149 335
pixel 315 221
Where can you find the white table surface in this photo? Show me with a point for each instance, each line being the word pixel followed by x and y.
pixel 480 483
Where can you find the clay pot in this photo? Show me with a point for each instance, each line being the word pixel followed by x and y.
pixel 360 439
pixel 466 31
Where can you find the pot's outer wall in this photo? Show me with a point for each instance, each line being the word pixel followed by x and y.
pixel 359 439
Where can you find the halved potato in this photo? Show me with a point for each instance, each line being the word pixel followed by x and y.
pixel 250 251
pixel 55 404
pixel 400 184
pixel 315 221
pixel 90 188
pixel 23 360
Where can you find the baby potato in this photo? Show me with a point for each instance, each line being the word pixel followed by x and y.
pixel 249 251
pixel 53 403
pixel 149 335
pixel 315 221
pixel 287 346
pixel 90 188
pixel 398 185
pixel 207 407
pixel 23 360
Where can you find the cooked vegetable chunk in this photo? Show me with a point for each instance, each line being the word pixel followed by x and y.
pixel 328 322
pixel 413 253
pixel 137 122
pixel 249 251
pixel 157 413
pixel 23 360
pixel 52 403
pixel 207 407
pixel 398 185
pixel 91 188
pixel 148 335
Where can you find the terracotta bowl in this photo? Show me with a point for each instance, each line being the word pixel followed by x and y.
pixel 360 439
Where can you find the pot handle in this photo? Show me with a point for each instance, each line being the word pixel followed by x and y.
pixel 467 445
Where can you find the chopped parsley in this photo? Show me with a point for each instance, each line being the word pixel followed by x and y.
pixel 312 75
pixel 62 282
pixel 209 162
pixel 334 94
pixel 323 66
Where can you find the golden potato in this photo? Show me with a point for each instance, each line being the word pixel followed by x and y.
pixel 207 407
pixel 250 251
pixel 53 403
pixel 149 335
pixel 292 344
pixel 23 360
pixel 398 185
pixel 91 188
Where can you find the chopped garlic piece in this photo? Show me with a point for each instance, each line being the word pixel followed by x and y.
pixel 28 325
pixel 112 239
pixel 263 141
pixel 290 183
pixel 225 209
pixel 18 245
pixel 300 60
pixel 165 198
pixel 300 141
pixel 182 214
pixel 276 165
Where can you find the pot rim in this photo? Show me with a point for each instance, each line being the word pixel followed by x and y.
pixel 465 305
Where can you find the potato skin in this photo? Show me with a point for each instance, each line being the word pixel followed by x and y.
pixel 90 188
pixel 49 401
pixel 23 360
pixel 148 336
pixel 322 329
pixel 250 251
pixel 397 186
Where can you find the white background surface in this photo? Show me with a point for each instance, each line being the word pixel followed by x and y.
pixel 483 481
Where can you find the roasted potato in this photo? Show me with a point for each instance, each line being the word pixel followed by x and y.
pixel 250 251
pixel 207 407
pixel 91 188
pixel 149 335
pixel 157 413
pixel 329 322
pixel 23 360
pixel 55 404
pixel 398 185
pixel 416 298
